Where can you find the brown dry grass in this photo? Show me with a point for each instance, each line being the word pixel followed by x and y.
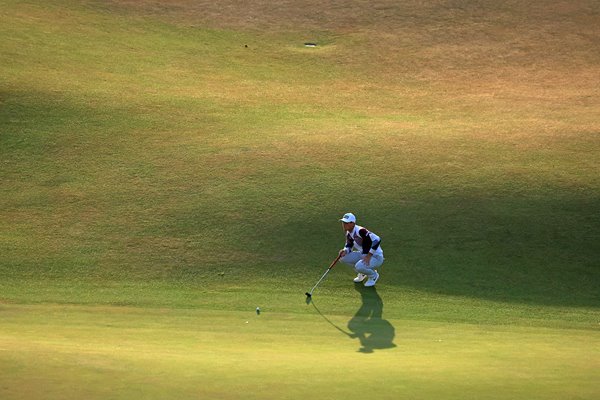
pixel 404 34
pixel 539 61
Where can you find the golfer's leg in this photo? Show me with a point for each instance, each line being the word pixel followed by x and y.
pixel 363 268
pixel 351 258
pixel 368 270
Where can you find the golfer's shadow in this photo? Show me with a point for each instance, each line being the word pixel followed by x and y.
pixel 368 326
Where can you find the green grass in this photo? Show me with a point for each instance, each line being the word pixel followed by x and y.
pixel 168 167
pixel 122 352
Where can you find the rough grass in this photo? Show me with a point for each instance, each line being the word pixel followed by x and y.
pixel 146 134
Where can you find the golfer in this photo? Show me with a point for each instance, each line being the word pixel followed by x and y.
pixel 368 255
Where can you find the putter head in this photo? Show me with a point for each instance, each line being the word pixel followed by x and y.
pixel 308 297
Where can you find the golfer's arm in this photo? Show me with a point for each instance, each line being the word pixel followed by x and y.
pixel 349 245
pixel 375 241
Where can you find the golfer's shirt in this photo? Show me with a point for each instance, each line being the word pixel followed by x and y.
pixel 362 240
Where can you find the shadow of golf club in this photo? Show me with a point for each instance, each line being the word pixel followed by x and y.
pixel 331 323
pixel 368 326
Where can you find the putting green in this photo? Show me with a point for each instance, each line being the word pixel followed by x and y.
pixel 99 352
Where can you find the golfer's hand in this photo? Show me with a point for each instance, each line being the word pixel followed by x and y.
pixel 342 253
pixel 367 259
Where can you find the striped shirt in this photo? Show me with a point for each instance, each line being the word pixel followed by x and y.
pixel 362 240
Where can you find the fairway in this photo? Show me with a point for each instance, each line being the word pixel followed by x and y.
pixel 166 167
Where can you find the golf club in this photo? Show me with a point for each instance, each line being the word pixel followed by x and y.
pixel 309 294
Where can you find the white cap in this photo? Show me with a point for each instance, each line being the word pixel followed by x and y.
pixel 348 217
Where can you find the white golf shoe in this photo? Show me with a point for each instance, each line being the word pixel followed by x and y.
pixel 372 280
pixel 360 277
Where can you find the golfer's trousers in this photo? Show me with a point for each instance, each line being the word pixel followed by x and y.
pixel 355 259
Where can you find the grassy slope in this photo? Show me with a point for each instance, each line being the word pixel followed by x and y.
pixel 130 141
pixel 136 137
